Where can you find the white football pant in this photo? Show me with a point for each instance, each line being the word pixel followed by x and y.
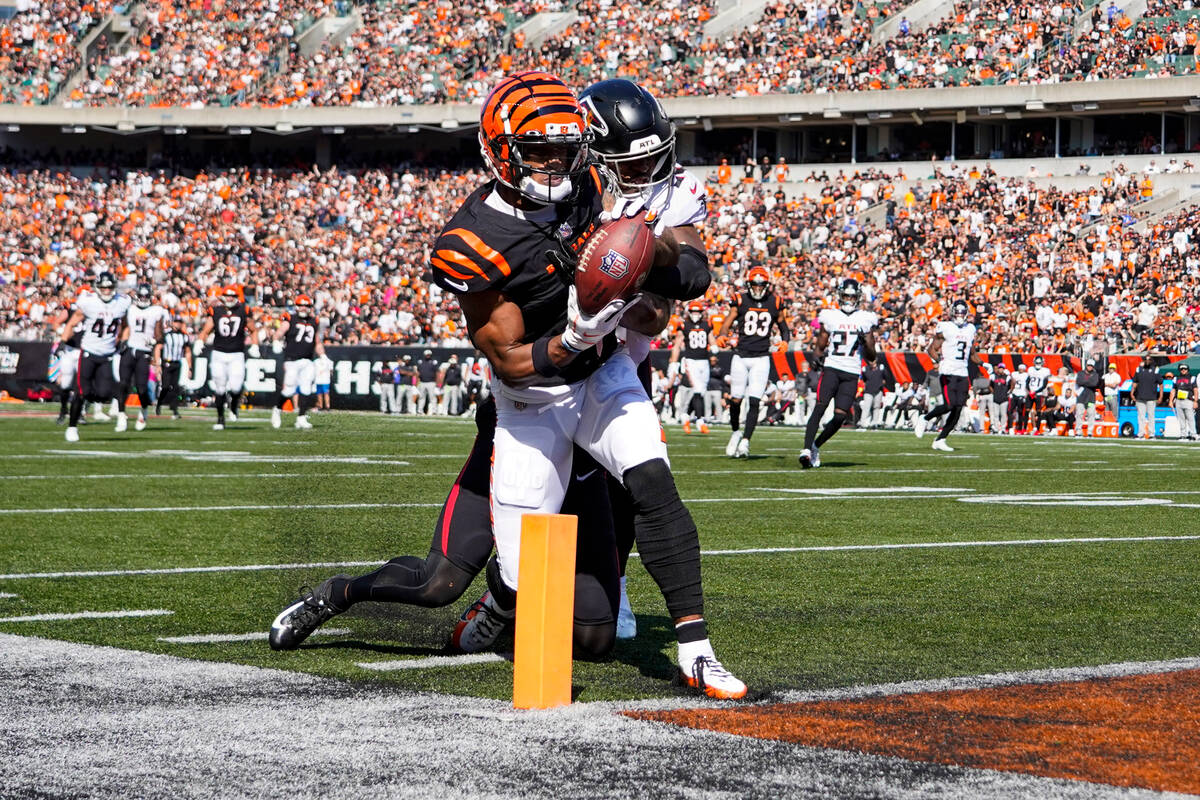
pixel 608 415
pixel 299 376
pixel 227 371
pixel 748 376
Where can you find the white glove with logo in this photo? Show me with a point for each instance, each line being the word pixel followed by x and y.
pixel 625 206
pixel 585 331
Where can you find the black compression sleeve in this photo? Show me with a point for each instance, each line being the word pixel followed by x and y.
pixel 542 364
pixel 688 279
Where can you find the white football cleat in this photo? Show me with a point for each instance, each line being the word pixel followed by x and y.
pixel 816 457
pixel 140 425
pixel 218 426
pixel 276 418
pixel 479 626
pixel 919 426
pixel 122 423
pixel 302 422
pixel 940 444
pixel 99 415
pixel 626 621
pixel 232 417
pixel 72 434
pixel 731 448
pixel 743 448
pixel 707 675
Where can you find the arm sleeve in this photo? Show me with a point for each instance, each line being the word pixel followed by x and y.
pixel 687 280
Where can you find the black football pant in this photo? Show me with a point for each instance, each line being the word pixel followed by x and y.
pixel 168 386
pixel 94 383
pixel 833 386
pixel 135 372
pixel 462 544
pixel 954 397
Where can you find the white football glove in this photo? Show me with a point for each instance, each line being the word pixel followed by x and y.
pixel 198 347
pixel 625 206
pixel 277 346
pixel 254 351
pixel 585 331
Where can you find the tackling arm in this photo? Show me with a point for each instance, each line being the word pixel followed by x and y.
pixel 680 272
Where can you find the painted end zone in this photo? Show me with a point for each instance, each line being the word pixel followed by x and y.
pixel 1132 731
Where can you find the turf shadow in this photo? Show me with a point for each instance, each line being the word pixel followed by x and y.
pixel 645 652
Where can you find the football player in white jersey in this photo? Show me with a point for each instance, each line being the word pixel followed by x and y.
pixel 103 315
pixel 1039 389
pixel 1019 400
pixel 953 349
pixel 144 326
pixel 845 339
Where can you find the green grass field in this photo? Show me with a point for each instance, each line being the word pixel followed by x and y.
pixel 801 592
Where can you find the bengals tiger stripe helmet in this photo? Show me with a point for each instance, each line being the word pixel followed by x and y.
pixel 695 310
pixel 304 305
pixel 533 136
pixel 759 281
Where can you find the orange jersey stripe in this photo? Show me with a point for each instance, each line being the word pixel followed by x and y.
pixel 461 260
pixel 479 247
pixel 444 267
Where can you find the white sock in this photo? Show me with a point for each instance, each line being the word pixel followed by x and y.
pixel 689 652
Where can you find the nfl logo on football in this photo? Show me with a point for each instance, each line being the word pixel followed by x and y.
pixel 614 264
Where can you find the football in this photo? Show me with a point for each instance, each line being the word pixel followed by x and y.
pixel 614 262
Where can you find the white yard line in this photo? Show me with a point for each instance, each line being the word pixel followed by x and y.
pixel 7 596
pixel 432 662
pixel 253 636
pixel 747 551
pixel 148 612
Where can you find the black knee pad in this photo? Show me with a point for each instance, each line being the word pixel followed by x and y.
pixel 594 641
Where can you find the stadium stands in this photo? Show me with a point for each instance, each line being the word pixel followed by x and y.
pixel 1045 268
pixel 39 48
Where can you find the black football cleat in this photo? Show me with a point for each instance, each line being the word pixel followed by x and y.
pixel 62 420
pixel 298 621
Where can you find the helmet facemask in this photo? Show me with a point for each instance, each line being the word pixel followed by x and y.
pixel 143 298
pixel 960 313
pixel 848 298
pixel 758 287
pixel 558 159
pixel 649 164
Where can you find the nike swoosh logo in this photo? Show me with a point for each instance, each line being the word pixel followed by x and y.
pixel 585 476
pixel 462 287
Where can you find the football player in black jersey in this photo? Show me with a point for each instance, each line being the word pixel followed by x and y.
pixel 757 311
pixel 691 350
pixel 229 324
pixel 303 340
pixel 563 376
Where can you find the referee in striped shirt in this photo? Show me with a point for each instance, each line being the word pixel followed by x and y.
pixel 173 350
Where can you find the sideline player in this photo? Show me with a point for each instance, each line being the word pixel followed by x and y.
pixel 845 338
pixel 543 198
pixel 103 316
pixel 953 349
pixel 144 325
pixel 229 324
pixel 1019 400
pixel 691 348
pixel 758 309
pixel 1039 385
pixel 302 341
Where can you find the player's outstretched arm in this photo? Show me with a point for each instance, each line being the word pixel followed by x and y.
pixel 75 318
pixel 935 347
pixel 497 327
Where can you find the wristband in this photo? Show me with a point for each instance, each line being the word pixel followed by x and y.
pixel 542 364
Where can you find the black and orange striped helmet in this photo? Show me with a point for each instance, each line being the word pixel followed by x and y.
pixel 696 309
pixel 533 136
pixel 759 281
pixel 304 305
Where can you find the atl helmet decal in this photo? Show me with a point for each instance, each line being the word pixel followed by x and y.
pixel 614 265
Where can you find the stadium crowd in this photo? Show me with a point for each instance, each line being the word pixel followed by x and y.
pixel 1044 269
pixel 39 47
pixel 245 52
